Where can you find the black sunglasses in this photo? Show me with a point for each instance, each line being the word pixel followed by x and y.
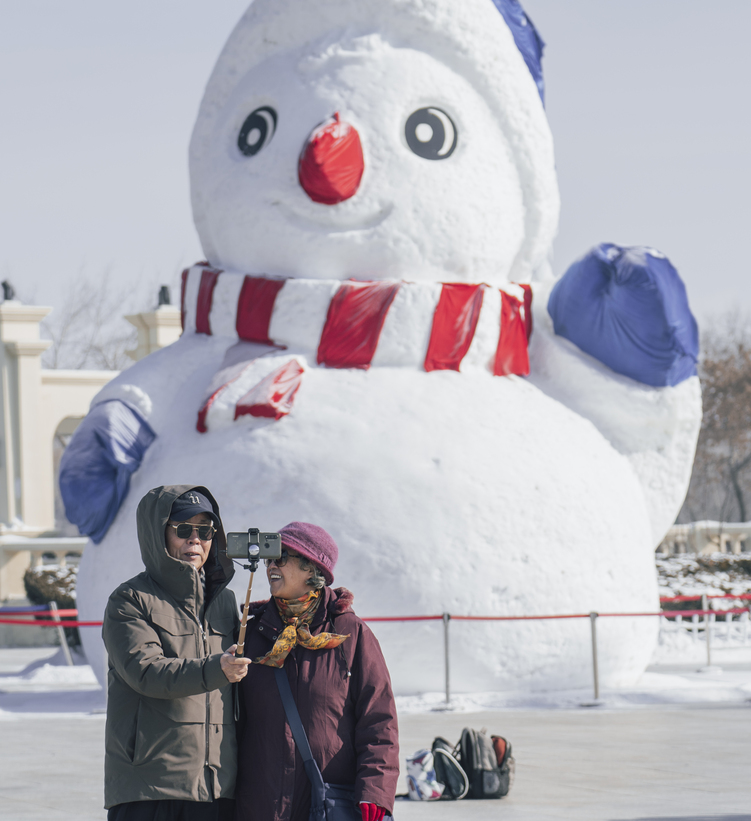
pixel 185 530
pixel 282 560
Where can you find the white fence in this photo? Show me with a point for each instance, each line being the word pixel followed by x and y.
pixel 729 628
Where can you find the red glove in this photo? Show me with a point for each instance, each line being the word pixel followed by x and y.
pixel 371 812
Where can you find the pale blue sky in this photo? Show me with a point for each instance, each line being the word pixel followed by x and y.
pixel 647 100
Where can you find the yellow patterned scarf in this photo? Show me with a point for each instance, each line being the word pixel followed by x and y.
pixel 297 614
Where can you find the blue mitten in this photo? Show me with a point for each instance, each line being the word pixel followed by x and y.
pixel 95 470
pixel 628 308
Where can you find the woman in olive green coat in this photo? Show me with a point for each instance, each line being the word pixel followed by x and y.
pixel 170 633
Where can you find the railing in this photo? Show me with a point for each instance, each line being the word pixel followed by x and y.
pixel 52 616
pixel 740 596
pixel 43 616
pixel 708 624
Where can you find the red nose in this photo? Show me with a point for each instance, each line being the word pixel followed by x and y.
pixel 331 164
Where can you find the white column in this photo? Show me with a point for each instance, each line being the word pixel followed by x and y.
pixel 26 499
pixel 156 329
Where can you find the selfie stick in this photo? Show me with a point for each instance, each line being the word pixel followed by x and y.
pixel 252 566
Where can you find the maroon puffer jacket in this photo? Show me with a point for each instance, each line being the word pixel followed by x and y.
pixel 350 720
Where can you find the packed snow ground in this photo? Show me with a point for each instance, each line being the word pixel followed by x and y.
pixel 632 757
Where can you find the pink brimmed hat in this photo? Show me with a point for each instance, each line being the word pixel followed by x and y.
pixel 314 543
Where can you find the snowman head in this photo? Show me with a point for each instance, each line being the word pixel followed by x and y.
pixel 374 139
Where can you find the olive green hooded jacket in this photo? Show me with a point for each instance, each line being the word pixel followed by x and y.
pixel 170 720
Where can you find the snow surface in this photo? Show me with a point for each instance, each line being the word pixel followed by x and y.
pixel 51 677
pixel 47 687
pixel 446 491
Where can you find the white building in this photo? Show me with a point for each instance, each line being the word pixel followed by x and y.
pixel 705 538
pixel 39 410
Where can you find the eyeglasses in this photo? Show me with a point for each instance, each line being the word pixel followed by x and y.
pixel 185 530
pixel 282 560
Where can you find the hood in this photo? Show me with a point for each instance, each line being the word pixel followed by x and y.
pixel 341 601
pixel 180 579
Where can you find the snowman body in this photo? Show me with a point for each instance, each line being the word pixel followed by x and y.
pixel 482 505
pixel 450 483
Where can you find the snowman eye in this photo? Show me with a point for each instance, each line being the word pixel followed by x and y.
pixel 257 131
pixel 431 133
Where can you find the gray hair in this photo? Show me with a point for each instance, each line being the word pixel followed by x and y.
pixel 316 581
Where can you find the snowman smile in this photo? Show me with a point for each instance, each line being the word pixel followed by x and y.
pixel 334 221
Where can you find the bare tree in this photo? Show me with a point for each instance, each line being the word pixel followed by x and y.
pixel 88 330
pixel 721 481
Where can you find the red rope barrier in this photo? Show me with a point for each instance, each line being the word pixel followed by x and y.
pixel 670 613
pixel 742 596
pixel 666 613
pixel 49 622
pixel 519 618
pixel 36 623
pixel 407 618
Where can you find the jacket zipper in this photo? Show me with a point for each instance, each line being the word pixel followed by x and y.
pixel 208 700
pixel 205 655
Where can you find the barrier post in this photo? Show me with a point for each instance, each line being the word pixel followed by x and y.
pixel 446 620
pixel 707 629
pixel 595 670
pixel 106 677
pixel 61 633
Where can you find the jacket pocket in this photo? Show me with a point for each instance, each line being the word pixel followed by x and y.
pixel 221 634
pixel 134 746
pixel 222 705
pixel 122 726
pixel 183 710
pixel 178 636
pixel 165 744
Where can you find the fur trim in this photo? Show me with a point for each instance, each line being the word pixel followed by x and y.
pixel 343 601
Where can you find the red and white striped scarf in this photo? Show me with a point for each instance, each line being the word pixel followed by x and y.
pixel 345 324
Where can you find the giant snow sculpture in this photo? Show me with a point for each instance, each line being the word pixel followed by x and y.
pixel 376 344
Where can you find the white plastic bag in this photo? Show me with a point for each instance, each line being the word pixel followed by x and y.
pixel 422 784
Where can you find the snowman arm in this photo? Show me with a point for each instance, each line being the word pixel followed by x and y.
pixel 95 470
pixel 135 649
pixel 616 343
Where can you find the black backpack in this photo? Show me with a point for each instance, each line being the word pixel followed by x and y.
pixel 488 762
pixel 477 767
pixel 448 771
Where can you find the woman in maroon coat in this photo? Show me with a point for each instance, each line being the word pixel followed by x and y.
pixel 340 683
